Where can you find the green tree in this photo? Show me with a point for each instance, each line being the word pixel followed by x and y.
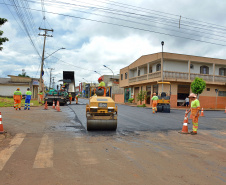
pixel 2 39
pixel 23 74
pixel 142 95
pixel 198 85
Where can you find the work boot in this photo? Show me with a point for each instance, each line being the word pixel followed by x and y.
pixel 25 108
pixel 19 108
pixel 28 109
pixel 193 133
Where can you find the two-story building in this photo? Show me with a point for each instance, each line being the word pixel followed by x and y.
pixel 180 70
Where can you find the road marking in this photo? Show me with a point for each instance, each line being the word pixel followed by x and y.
pixel 44 157
pixel 13 145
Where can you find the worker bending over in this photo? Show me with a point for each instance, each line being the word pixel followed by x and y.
pixel 27 99
pixel 76 98
pixel 17 96
pixel 154 103
pixel 195 108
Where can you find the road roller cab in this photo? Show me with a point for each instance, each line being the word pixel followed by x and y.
pixel 163 104
pixel 101 112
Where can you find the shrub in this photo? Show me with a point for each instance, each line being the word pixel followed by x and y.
pixel 130 100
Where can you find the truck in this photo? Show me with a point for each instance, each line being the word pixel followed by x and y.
pixel 54 95
pixel 69 81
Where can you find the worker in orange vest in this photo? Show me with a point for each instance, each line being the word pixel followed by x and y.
pixel 195 108
pixel 154 100
pixel 40 96
pixel 17 96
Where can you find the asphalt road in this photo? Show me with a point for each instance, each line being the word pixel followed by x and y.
pixel 132 119
pixel 51 147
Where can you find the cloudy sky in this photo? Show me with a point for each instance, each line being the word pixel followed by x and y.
pixel 106 32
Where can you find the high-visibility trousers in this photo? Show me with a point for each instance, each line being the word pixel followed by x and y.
pixel 18 104
pixel 195 119
pixel 70 99
pixel 154 105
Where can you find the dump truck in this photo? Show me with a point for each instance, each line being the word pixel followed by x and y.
pixel 69 82
pixel 101 112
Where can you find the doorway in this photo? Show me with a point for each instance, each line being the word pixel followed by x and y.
pixel 182 92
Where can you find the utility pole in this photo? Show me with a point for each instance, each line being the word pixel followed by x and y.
pixel 50 79
pixel 53 82
pixel 43 53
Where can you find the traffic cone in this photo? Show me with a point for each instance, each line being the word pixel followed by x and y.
pixel 1 125
pixel 58 106
pixel 46 106
pixel 186 118
pixel 53 104
pixel 202 113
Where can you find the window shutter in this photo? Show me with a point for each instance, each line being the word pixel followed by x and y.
pixel 201 70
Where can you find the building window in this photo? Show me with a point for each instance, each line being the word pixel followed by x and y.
pixel 138 72
pixel 191 66
pixel 222 71
pixel 204 70
pixel 125 75
pixel 121 76
pixel 207 89
pixel 158 67
pixel 155 89
pixel 222 93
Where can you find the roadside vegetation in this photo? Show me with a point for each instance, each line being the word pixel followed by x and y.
pixel 9 102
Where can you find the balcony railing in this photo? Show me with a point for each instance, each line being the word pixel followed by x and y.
pixel 208 78
pixel 175 75
pixel 171 75
pixel 154 75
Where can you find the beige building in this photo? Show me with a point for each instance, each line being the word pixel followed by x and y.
pixel 180 70
pixel 9 85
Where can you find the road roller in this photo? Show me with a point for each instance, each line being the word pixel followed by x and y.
pixel 101 112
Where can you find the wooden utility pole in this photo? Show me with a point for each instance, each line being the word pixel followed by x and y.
pixel 43 53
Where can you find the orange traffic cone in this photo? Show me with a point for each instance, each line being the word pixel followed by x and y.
pixel 202 114
pixel 58 106
pixel 46 106
pixel 186 118
pixel 1 125
pixel 53 104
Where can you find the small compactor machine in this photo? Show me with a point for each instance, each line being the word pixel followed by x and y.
pixel 101 112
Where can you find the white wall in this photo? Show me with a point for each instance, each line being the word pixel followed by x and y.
pixel 176 66
pixel 132 73
pixel 9 90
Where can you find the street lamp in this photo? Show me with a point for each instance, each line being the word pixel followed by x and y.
pixel 54 52
pixel 97 73
pixel 85 79
pixel 110 69
pixel 162 64
pixel 41 73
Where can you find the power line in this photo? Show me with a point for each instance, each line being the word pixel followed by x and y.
pixel 141 29
pixel 149 18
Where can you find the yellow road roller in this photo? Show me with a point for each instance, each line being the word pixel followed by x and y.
pixel 101 112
